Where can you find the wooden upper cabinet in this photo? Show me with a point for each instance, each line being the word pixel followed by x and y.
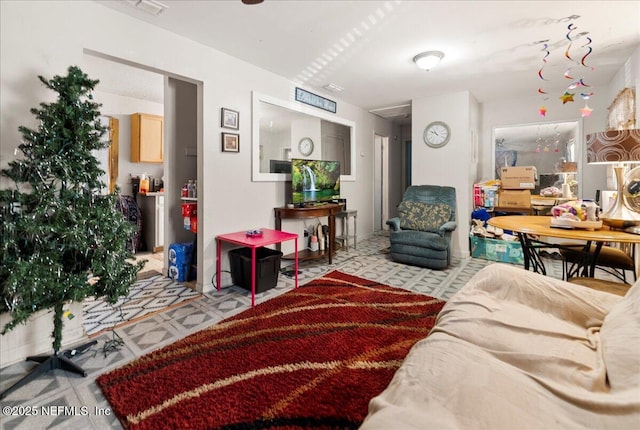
pixel 147 138
pixel 114 152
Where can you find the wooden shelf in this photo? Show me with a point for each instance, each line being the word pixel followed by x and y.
pixel 305 254
pixel 329 210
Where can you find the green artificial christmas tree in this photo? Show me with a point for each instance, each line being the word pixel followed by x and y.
pixel 63 238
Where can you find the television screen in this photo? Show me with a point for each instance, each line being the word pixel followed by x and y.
pixel 279 166
pixel 314 180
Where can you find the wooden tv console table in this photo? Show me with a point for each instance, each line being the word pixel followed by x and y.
pixel 329 210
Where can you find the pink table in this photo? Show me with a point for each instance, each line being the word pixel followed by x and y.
pixel 269 237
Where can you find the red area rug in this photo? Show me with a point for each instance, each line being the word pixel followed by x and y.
pixel 310 358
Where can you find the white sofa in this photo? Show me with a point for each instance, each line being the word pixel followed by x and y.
pixel 517 350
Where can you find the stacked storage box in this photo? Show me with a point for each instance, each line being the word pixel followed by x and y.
pixel 504 251
pixel 516 186
pixel 514 196
pixel 485 194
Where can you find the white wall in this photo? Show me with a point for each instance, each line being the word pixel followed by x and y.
pixel 59 31
pixel 449 165
pixel 230 201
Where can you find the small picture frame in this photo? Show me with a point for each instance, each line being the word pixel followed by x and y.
pixel 230 142
pixel 229 118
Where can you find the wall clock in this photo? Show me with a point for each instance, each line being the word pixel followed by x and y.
pixel 305 146
pixel 437 134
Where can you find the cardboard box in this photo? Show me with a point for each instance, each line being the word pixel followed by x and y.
pixel 514 199
pixel 518 178
pixel 503 251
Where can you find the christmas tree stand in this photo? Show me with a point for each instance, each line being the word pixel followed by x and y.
pixel 60 360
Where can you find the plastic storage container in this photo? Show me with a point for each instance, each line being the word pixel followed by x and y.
pixel 267 268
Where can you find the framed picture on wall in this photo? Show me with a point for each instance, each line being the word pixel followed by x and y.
pixel 229 118
pixel 230 142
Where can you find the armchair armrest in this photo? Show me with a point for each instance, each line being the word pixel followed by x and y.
pixel 394 223
pixel 448 226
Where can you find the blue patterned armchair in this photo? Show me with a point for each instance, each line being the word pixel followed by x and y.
pixel 421 234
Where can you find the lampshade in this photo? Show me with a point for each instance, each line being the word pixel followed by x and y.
pixel 428 60
pixel 614 146
pixel 620 147
pixel 566 167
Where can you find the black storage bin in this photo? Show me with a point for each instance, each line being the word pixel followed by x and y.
pixel 267 268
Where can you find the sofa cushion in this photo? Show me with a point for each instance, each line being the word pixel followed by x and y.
pixel 512 349
pixel 421 216
pixel 620 335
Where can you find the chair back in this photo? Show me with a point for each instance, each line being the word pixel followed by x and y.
pixel 432 194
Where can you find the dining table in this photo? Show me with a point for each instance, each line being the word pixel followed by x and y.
pixel 534 232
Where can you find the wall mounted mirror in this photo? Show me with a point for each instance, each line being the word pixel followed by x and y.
pixel 543 145
pixel 284 130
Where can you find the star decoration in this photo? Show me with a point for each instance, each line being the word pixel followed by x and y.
pixel 542 111
pixel 586 111
pixel 566 97
pixel 546 149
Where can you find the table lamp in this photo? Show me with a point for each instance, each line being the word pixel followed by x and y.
pixel 618 147
pixel 566 168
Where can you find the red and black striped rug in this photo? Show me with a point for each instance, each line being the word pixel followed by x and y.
pixel 310 358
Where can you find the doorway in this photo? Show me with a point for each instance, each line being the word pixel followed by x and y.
pixel 381 181
pixel 406 165
pixel 127 88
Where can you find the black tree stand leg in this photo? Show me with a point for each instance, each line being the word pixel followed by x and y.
pixel 50 362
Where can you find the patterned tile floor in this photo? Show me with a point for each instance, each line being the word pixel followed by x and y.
pixel 145 297
pixel 75 402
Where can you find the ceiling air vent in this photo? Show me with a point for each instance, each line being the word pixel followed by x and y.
pixel 333 87
pixel 151 7
pixel 393 111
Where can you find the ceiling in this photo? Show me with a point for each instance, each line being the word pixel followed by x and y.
pixel 493 49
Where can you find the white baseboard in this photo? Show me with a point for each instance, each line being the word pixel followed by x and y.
pixel 34 337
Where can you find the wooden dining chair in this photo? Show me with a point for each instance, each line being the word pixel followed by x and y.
pixel 617 288
pixel 611 260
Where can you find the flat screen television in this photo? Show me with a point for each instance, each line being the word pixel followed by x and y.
pixel 314 180
pixel 279 166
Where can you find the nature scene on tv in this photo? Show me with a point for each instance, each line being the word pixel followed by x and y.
pixel 315 180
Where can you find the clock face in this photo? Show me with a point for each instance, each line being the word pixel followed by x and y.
pixel 305 146
pixel 437 134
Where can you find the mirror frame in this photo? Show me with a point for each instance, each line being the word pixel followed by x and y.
pixel 257 175
pixel 579 145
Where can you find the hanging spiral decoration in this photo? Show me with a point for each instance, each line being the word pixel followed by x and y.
pixel 578 59
pixel 542 111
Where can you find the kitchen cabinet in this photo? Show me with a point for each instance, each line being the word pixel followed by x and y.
pixel 153 221
pixel 147 138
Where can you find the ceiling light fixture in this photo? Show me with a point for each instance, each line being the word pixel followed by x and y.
pixel 428 60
